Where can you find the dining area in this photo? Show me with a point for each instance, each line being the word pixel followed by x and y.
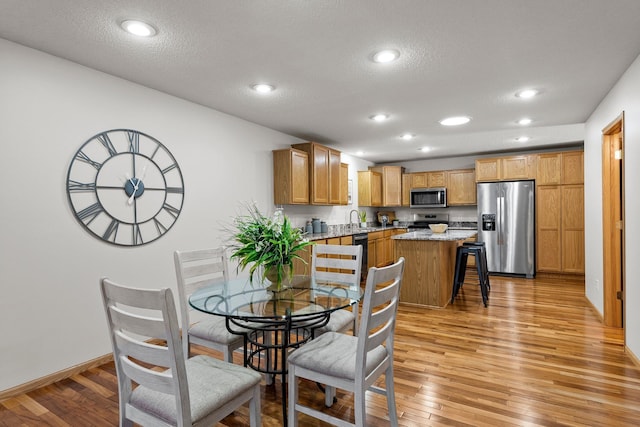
pixel 321 327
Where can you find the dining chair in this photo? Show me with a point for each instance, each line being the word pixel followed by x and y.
pixel 157 386
pixel 343 264
pixel 196 269
pixel 353 363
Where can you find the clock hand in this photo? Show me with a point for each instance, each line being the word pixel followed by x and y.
pixel 133 193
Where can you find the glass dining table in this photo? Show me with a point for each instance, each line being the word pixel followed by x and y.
pixel 274 321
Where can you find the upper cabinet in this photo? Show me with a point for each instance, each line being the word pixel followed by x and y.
pixel 461 188
pixel 488 170
pixel 335 173
pixel 290 177
pixel 324 173
pixel 391 184
pixel 506 168
pixel 369 188
pixel 344 184
pixel 406 188
pixel 428 179
pixel 560 168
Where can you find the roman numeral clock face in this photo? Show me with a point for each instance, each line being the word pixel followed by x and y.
pixel 125 187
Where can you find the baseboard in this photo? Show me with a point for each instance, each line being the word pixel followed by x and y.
pixel 561 276
pixel 632 356
pixel 594 309
pixel 56 376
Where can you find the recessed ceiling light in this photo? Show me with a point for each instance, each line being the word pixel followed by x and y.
pixel 263 88
pixel 385 56
pixel 455 121
pixel 379 117
pixel 424 149
pixel 524 122
pixel 522 139
pixel 138 28
pixel 407 136
pixel 359 153
pixel 527 93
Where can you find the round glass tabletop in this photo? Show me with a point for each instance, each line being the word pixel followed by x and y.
pixel 303 296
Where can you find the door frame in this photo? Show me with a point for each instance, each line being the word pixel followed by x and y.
pixel 613 230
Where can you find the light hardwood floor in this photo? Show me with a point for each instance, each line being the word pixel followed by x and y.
pixel 537 356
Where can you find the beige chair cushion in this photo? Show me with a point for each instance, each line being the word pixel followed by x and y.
pixel 215 330
pixel 209 389
pixel 340 320
pixel 335 354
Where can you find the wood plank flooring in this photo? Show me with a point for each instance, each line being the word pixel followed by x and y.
pixel 537 356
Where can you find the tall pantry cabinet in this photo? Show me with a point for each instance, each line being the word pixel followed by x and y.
pixel 560 212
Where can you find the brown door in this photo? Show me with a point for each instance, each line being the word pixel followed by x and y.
pixel 613 222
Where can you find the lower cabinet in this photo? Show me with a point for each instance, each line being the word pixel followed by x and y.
pixel 303 266
pixel 381 250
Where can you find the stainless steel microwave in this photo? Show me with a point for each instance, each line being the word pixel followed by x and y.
pixel 428 198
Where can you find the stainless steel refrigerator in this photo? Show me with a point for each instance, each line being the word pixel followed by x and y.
pixel 506 219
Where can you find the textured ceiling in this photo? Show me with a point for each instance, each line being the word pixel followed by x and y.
pixel 458 57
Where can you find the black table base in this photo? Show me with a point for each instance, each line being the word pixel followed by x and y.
pixel 269 341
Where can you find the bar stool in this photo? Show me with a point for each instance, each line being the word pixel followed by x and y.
pixel 476 249
pixel 482 257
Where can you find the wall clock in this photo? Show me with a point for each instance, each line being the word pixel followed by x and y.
pixel 125 187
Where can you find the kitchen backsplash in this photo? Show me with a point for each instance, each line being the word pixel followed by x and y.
pixel 461 216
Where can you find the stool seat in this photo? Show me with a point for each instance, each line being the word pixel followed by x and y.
pixel 478 250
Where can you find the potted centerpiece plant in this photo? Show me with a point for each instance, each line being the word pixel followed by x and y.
pixel 267 245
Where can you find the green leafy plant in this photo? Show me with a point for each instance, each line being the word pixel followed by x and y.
pixel 268 242
pixel 363 216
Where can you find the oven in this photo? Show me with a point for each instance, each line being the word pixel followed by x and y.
pixel 422 221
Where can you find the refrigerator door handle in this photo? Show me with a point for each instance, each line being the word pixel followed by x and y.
pixel 500 220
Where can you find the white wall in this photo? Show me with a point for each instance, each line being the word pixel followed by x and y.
pixel 625 96
pixel 51 316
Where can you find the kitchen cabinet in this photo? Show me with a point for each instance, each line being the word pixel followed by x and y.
pixel 510 168
pixel 461 189
pixel 369 188
pixel 560 228
pixel 324 173
pixel 560 168
pixel 378 248
pixel 406 189
pixel 517 167
pixel 391 184
pixel 290 177
pixel 573 167
pixel 560 212
pixel 335 172
pixel 381 248
pixel 549 169
pixel 344 184
pixel 428 179
pixel 487 170
pixel 573 228
pixel 549 232
pixel 302 267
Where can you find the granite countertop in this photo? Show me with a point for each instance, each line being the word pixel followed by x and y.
pixel 449 235
pixel 319 236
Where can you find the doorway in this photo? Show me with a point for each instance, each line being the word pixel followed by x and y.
pixel 613 222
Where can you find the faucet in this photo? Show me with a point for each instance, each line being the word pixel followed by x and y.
pixel 351 216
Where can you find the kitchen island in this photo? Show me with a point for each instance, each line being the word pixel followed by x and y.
pixel 429 265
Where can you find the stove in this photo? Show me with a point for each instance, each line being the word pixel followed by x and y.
pixel 422 221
